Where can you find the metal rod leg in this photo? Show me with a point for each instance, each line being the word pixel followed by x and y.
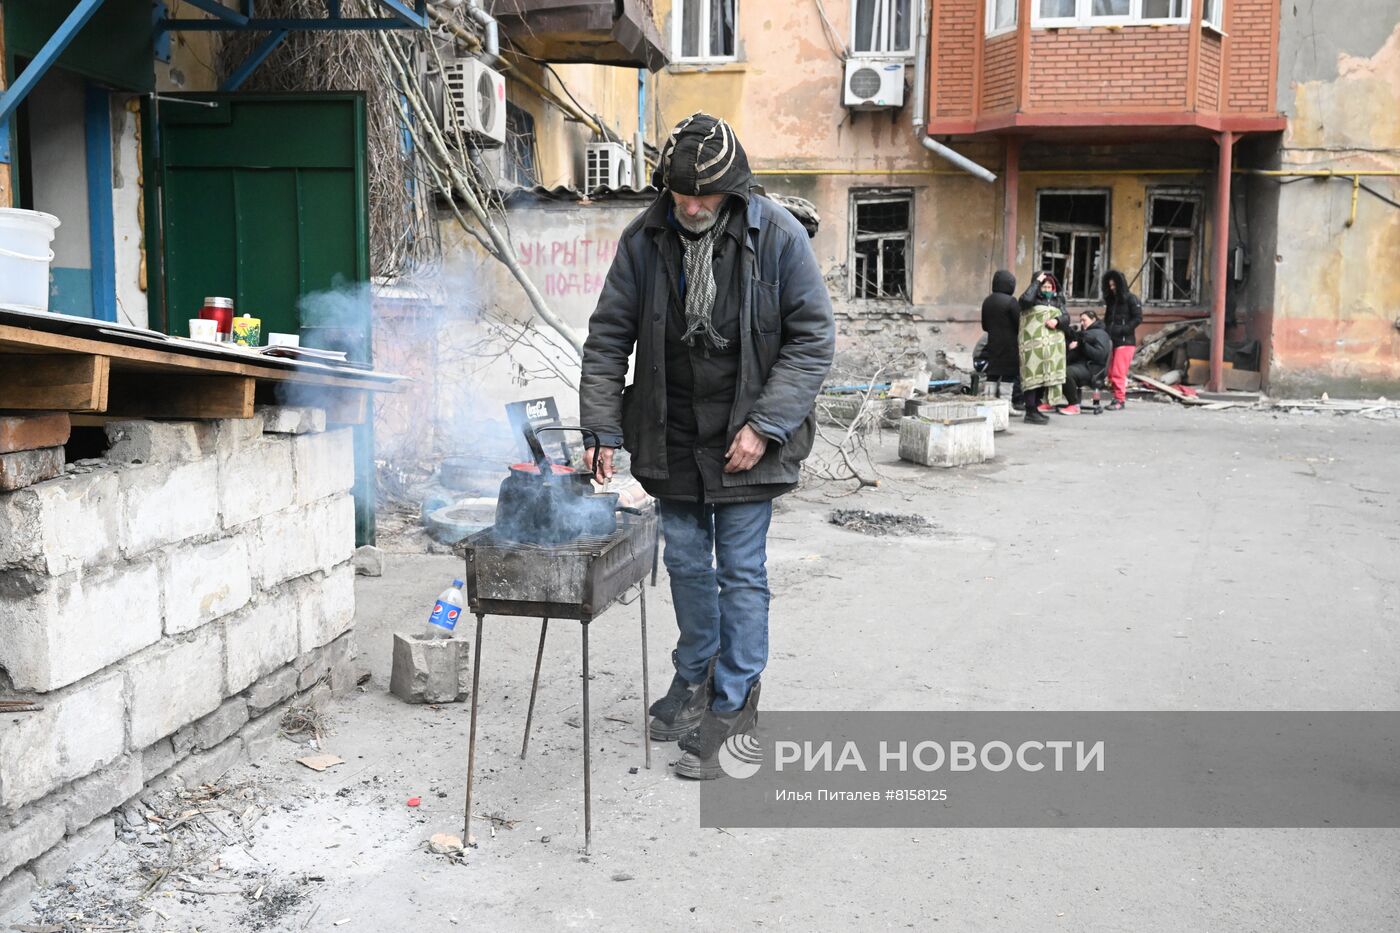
pixel 655 557
pixel 646 682
pixel 534 686
pixel 471 738
pixel 587 756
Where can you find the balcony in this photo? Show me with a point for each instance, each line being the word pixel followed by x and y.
pixel 1077 78
pixel 600 32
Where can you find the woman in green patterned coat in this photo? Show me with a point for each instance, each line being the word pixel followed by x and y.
pixel 1042 345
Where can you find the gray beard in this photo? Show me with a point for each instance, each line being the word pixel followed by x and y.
pixel 697 225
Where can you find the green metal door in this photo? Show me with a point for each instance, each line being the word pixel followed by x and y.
pixel 263 200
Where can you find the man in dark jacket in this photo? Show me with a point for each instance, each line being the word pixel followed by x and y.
pixel 1089 351
pixel 719 292
pixel 1122 314
pixel 1001 320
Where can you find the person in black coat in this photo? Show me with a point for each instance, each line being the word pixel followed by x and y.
pixel 1001 320
pixel 1089 350
pixel 1122 315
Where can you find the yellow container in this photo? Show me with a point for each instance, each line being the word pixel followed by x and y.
pixel 247 331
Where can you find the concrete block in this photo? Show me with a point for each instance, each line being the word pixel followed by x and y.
pixel 296 542
pixel 255 479
pixel 83 846
pixel 205 733
pixel 78 730
pixel 207 767
pixel 997 409
pixel 27 467
pixel 329 609
pixel 16 890
pixel 235 432
pixel 434 670
pixel 264 637
pixel 165 503
pixel 175 684
pixel 79 625
pixel 271 690
pixel 950 443
pixel 34 432
pixel 101 792
pixel 61 525
pixel 325 464
pixel 40 830
pixel 205 582
pixel 158 441
pixel 157 758
pixel 260 735
pixel 369 561
pixel 292 419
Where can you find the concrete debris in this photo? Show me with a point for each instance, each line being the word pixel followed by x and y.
pixel 880 523
pixel 445 844
pixel 369 561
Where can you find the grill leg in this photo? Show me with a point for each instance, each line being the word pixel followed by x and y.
pixel 646 681
pixel 655 556
pixel 587 756
pixel 534 687
pixel 471 739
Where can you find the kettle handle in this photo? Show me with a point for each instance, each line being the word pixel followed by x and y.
pixel 586 432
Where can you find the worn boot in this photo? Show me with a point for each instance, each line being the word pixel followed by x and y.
pixel 702 744
pixel 681 709
pixel 1035 416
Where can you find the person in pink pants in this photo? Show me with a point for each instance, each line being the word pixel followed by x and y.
pixel 1122 315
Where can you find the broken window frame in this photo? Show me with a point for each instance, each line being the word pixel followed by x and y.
pixel 884 14
pixel 1074 232
pixel 1085 17
pixel 858 271
pixel 995 10
pixel 704 52
pixel 520 162
pixel 1191 231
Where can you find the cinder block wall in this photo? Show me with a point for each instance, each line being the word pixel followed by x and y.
pixel 164 605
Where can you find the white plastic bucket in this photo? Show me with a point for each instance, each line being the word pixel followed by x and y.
pixel 25 255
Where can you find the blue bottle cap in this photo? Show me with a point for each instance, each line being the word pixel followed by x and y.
pixel 457 584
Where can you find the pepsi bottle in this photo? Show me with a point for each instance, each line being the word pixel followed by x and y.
pixel 446 611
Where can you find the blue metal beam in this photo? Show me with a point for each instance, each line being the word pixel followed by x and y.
pixel 41 63
pixel 415 18
pixel 217 9
pixel 255 58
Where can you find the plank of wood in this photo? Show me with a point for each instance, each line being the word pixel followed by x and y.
pixel 24 340
pixel 342 406
pixel 1173 391
pixel 54 382
pixel 162 395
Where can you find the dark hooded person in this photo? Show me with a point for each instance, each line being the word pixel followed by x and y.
pixel 1001 320
pixel 718 290
pixel 1122 315
pixel 1043 324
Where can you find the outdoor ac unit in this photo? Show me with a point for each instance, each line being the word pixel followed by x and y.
pixel 476 100
pixel 873 83
pixel 606 165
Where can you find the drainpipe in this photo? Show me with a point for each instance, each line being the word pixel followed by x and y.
pixel 921 105
pixel 1221 256
pixel 486 21
pixel 639 153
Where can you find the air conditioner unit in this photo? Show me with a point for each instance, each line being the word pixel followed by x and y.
pixel 476 99
pixel 606 165
pixel 873 83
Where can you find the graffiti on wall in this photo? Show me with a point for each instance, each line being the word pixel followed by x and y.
pixel 568 266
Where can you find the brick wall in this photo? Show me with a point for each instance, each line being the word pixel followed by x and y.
pixel 1208 73
pixel 163 605
pixel 959 29
pixel 1000 74
pixel 1252 42
pixel 1107 70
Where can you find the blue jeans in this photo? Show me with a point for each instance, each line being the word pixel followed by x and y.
pixel 720 612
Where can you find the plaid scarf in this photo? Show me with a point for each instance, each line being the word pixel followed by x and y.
pixel 700 288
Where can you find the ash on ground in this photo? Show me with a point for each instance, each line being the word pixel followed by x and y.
pixel 880 523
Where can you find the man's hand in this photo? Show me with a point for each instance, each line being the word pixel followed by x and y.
pixel 1073 344
pixel 747 450
pixel 605 463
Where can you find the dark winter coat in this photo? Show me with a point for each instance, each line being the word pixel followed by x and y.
pixel 1001 319
pixel 1095 347
pixel 1122 310
pixel 1031 297
pixel 786 340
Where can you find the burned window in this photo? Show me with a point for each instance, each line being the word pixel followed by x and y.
pixel 882 27
pixel 1171 273
pixel 1072 231
pixel 704 30
pixel 881 224
pixel 520 162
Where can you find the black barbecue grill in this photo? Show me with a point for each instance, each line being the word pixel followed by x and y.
pixel 577 580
